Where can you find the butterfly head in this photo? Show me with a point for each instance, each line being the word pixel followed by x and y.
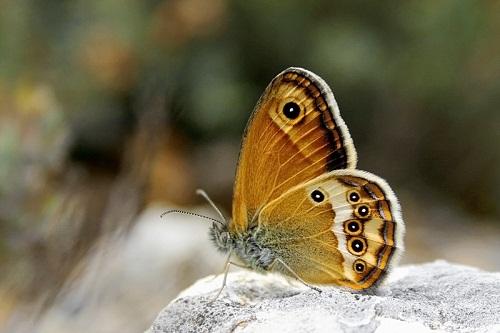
pixel 221 237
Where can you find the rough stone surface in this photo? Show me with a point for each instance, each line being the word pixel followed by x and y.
pixel 437 297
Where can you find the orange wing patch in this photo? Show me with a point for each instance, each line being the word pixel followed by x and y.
pixel 294 135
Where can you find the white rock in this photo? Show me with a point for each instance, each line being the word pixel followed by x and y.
pixel 433 297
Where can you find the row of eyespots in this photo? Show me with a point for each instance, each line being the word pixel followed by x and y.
pixel 362 211
pixel 356 245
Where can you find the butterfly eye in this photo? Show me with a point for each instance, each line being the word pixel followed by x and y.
pixel 353 196
pixel 362 211
pixel 359 266
pixel 291 110
pixel 353 227
pixel 317 196
pixel 357 246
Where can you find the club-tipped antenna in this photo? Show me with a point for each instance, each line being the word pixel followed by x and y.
pixel 189 213
pixel 205 195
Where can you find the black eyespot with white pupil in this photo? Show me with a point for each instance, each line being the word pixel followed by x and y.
pixel 353 226
pixel 317 196
pixel 363 210
pixel 354 196
pixel 359 266
pixel 291 110
pixel 357 246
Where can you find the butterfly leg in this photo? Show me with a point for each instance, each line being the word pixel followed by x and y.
pixel 298 277
pixel 234 264
pixel 226 271
pixel 240 265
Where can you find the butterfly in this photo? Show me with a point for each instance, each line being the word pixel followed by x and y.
pixel 300 206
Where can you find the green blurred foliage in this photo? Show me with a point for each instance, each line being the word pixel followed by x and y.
pixel 421 73
pixel 418 83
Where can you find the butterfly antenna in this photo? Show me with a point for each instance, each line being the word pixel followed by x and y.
pixel 205 195
pixel 189 213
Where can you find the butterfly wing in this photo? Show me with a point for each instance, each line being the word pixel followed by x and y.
pixel 294 135
pixel 342 228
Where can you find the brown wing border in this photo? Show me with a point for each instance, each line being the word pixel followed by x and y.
pixel 334 112
pixel 377 275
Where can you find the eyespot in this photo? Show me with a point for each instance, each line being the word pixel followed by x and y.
pixel 353 227
pixel 362 211
pixel 317 196
pixel 291 110
pixel 359 266
pixel 357 246
pixel 353 196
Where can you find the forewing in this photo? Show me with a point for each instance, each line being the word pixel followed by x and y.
pixel 281 150
pixel 348 238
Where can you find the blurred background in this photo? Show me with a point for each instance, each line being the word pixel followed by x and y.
pixel 113 111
